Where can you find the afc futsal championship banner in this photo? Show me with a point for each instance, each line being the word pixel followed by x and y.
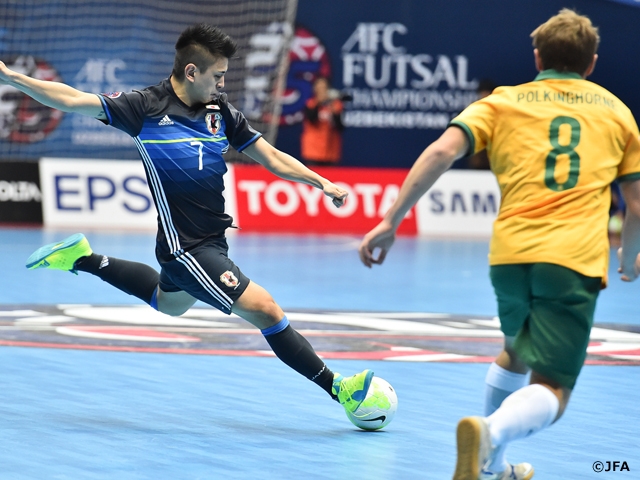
pixel 404 69
pixel 399 89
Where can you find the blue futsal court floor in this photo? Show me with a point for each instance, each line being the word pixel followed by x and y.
pixel 94 385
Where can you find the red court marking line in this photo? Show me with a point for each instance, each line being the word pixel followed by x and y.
pixel 309 333
pixel 390 355
pixel 404 336
pixel 471 360
pixel 125 331
pixel 376 355
pixel 633 351
pixel 614 362
pixel 115 348
pixel 315 333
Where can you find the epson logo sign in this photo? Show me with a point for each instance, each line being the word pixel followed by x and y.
pixel 96 193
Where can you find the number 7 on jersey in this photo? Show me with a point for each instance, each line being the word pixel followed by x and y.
pixel 200 147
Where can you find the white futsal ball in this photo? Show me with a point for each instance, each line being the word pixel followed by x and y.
pixel 378 408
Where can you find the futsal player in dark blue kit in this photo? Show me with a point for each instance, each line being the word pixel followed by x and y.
pixel 182 127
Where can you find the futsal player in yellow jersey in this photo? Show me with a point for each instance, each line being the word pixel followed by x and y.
pixel 554 165
pixel 555 145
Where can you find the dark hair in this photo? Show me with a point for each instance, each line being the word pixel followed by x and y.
pixel 202 45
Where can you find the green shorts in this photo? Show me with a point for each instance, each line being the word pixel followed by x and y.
pixel 549 309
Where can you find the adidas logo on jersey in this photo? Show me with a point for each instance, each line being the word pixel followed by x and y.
pixel 165 121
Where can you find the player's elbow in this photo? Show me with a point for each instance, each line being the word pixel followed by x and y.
pixel 81 102
pixel 442 156
pixel 448 148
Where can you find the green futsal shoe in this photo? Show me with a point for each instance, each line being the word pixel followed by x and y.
pixel 351 391
pixel 61 255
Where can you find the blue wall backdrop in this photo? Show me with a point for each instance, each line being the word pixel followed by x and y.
pixel 118 46
pixel 412 65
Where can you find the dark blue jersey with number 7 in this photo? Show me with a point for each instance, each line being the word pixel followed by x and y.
pixel 182 150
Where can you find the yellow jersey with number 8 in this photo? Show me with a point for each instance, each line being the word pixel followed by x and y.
pixel 555 145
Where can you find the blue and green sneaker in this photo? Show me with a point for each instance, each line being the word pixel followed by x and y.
pixel 61 255
pixel 351 391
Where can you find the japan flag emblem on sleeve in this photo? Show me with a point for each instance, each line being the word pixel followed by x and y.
pixel 213 121
pixel 229 279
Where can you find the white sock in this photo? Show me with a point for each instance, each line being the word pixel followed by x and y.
pixel 523 413
pixel 499 384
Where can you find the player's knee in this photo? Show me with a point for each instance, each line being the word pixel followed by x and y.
pixel 173 304
pixel 172 310
pixel 258 307
pixel 268 309
pixel 257 299
pixel 271 308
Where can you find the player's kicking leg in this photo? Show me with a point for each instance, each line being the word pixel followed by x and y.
pixel 258 307
pixel 74 254
pixel 228 290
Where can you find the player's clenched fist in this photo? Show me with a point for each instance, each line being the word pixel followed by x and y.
pixel 338 194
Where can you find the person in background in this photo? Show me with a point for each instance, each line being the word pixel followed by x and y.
pixel 321 140
pixel 556 144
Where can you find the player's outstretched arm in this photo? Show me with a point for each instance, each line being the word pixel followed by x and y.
pixel 629 254
pixel 433 162
pixel 287 167
pixel 54 94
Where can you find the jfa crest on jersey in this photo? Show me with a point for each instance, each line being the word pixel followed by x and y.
pixel 213 121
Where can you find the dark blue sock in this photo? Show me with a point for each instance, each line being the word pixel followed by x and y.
pixel 296 352
pixel 134 278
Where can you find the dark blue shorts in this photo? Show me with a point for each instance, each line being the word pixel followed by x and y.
pixel 206 273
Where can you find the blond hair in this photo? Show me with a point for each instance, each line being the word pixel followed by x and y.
pixel 566 42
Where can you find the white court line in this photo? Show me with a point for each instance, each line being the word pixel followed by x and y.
pixel 43 320
pixel 20 313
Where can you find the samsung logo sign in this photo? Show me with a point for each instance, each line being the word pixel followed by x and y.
pixel 460 203
pixel 463 202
